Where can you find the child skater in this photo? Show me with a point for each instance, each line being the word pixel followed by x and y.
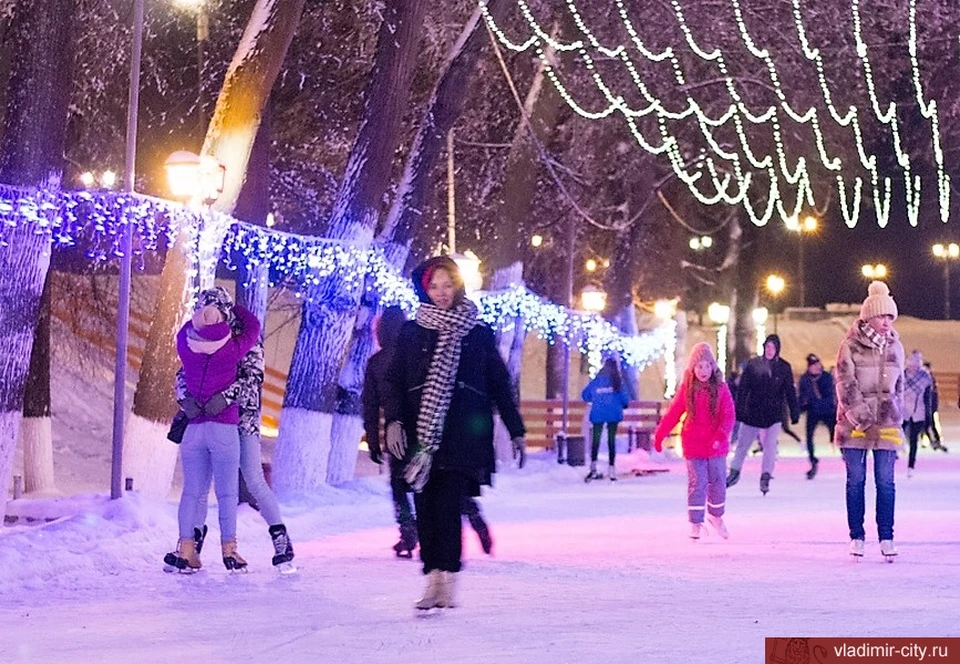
pixel 705 398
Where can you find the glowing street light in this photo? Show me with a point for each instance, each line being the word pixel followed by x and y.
pixel 469 264
pixel 193 178
pixel 775 285
pixel 593 299
pixel 536 240
pixel 701 242
pixel 591 265
pixel 878 271
pixel 947 253
pixel 106 179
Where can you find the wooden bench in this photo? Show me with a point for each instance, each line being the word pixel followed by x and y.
pixel 543 419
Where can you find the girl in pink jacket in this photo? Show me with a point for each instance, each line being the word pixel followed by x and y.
pixel 705 436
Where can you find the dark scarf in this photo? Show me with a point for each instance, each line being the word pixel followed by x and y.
pixel 453 325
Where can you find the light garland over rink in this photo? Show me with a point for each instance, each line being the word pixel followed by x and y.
pixel 733 187
pixel 95 220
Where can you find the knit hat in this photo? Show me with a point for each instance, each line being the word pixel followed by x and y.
pixel 812 359
pixel 206 316
pixel 423 273
pixel 878 302
pixel 700 351
pixel 775 340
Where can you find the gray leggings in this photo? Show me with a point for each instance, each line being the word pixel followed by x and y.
pixel 210 449
pixel 251 467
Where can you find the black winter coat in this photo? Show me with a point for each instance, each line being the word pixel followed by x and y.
pixel 482 383
pixel 762 393
pixel 374 388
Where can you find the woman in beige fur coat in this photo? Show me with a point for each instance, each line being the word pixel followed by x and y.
pixel 870 413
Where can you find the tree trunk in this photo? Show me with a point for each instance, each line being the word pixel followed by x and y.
pixel 31 154
pixel 413 196
pixel 148 457
pixel 305 446
pixel 36 432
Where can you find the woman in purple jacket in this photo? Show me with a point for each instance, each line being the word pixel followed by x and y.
pixel 211 443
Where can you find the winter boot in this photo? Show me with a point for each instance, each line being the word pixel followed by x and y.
pixel 482 530
pixel 408 541
pixel 431 596
pixel 856 548
pixel 695 530
pixel 185 559
pixel 448 590
pixel 231 559
pixel 733 477
pixel 888 550
pixel 813 470
pixel 717 523
pixel 282 548
pixel 765 483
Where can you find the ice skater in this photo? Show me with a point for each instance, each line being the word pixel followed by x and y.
pixel 818 399
pixel 932 429
pixel 917 384
pixel 211 443
pixel 246 393
pixel 765 385
pixel 607 395
pixel 870 413
pixel 445 379
pixel 705 398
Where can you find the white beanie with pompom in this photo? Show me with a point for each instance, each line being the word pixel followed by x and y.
pixel 878 302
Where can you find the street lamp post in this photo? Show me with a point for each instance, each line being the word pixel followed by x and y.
pixel 775 285
pixel 809 224
pixel 126 259
pixel 946 253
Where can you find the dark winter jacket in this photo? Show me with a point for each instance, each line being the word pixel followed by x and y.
pixel 818 395
pixel 607 404
pixel 375 378
pixel 208 374
pixel 482 384
pixel 764 387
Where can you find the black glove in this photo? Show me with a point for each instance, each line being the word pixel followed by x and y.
pixel 190 407
pixel 216 404
pixel 520 451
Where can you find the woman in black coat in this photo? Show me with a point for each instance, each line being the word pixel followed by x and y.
pixel 445 380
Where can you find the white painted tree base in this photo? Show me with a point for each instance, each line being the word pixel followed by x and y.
pixel 303 449
pixel 148 457
pixel 36 435
pixel 345 435
pixel 9 432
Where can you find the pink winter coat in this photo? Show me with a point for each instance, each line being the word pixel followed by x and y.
pixel 704 435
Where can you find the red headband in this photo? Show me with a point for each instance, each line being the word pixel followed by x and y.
pixel 427 275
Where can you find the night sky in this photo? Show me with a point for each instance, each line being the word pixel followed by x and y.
pixel 834 255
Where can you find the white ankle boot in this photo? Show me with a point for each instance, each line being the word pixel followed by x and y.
pixel 695 530
pixel 717 523
pixel 448 590
pixel 856 548
pixel 888 549
pixel 432 595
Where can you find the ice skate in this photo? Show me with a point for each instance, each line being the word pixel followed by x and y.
pixel 612 472
pixel 431 596
pixel 282 549
pixel 184 560
pixel 447 599
pixel 231 559
pixel 593 474
pixel 909 473
pixel 408 541
pixel 765 483
pixel 733 477
pixel 170 560
pixel 696 529
pixel 482 530
pixel 856 549
pixel 888 549
pixel 717 524
pixel 813 470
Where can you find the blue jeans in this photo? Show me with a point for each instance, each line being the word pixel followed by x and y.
pixel 251 467
pixel 210 448
pixel 883 465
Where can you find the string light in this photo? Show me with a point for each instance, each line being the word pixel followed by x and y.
pixel 706 168
pixel 296 262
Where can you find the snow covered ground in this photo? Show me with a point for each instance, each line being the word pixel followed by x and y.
pixel 580 573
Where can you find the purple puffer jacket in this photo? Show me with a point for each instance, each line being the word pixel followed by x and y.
pixel 208 374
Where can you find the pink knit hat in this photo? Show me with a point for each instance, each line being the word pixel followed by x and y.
pixel 700 351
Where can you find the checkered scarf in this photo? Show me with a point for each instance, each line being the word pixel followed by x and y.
pixel 453 325
pixel 876 338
